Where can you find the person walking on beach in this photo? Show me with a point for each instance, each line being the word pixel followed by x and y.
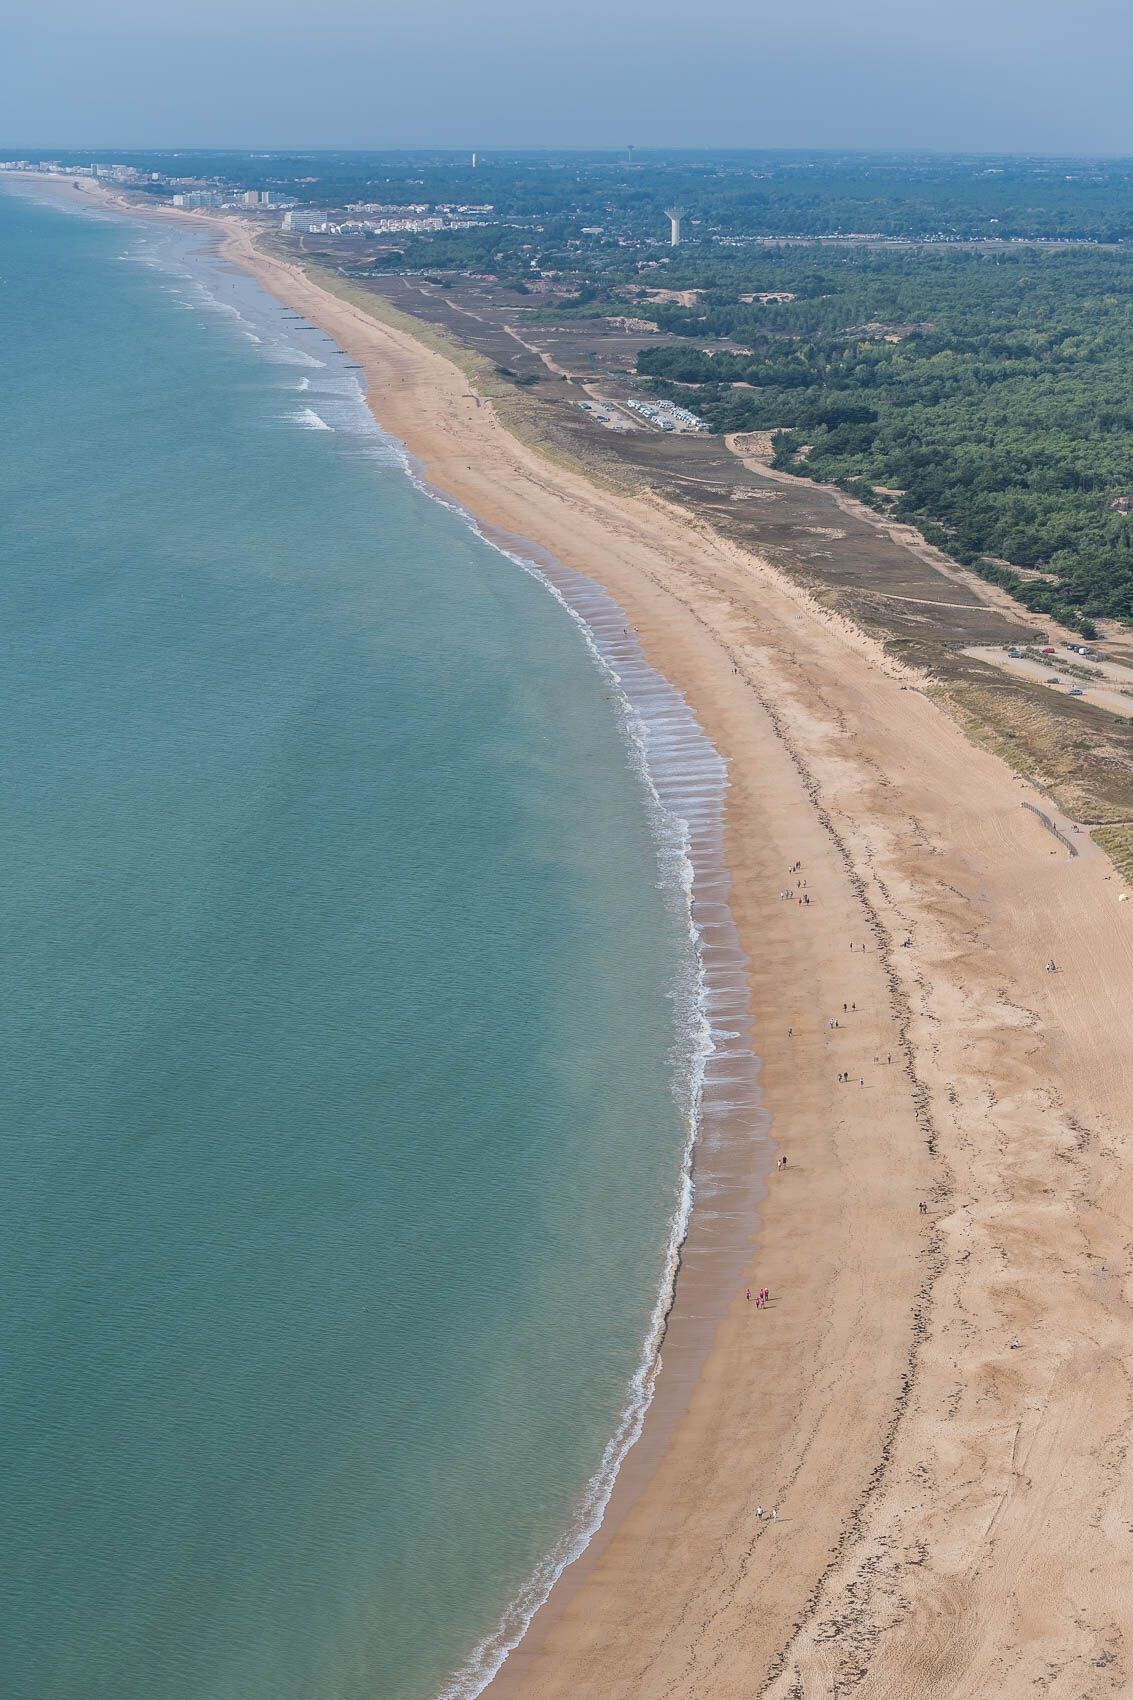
pixel 749 1295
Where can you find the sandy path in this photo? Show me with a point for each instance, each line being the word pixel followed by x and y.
pixel 955 1515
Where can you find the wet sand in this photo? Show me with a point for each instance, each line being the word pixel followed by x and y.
pixel 954 1512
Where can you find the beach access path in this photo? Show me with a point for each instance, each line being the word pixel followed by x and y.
pixel 939 1403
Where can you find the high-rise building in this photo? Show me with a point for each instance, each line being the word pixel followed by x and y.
pixel 304 221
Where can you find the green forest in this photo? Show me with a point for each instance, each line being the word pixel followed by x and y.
pixel 985 395
pixel 971 374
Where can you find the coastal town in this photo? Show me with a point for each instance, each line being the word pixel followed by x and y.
pixel 194 194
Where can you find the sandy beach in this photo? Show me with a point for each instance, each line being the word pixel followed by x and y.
pixel 937 1403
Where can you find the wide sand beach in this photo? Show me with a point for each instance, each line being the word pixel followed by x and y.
pixel 936 1403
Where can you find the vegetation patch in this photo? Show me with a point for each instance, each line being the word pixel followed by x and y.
pixel 983 396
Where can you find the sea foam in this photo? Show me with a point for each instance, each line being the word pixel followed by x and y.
pixel 309 420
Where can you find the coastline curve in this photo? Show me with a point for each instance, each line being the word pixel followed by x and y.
pixel 715 1070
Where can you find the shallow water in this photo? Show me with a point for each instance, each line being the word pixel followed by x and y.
pixel 350 1023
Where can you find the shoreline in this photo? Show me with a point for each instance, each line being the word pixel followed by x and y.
pixel 720 1162
pixel 932 1538
pixel 699 1305
pixel 717 1160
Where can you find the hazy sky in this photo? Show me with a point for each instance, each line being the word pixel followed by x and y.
pixel 953 74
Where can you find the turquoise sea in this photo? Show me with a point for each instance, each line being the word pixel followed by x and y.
pixel 351 1029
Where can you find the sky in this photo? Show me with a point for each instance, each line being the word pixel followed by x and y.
pixel 955 75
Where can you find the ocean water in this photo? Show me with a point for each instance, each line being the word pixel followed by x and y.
pixel 352 1023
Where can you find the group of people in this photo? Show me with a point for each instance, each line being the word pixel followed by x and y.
pixel 762 1298
pixel 796 891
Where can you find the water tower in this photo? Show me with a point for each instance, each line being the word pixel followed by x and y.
pixel 674 216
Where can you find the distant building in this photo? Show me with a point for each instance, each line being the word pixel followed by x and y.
pixel 304 221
